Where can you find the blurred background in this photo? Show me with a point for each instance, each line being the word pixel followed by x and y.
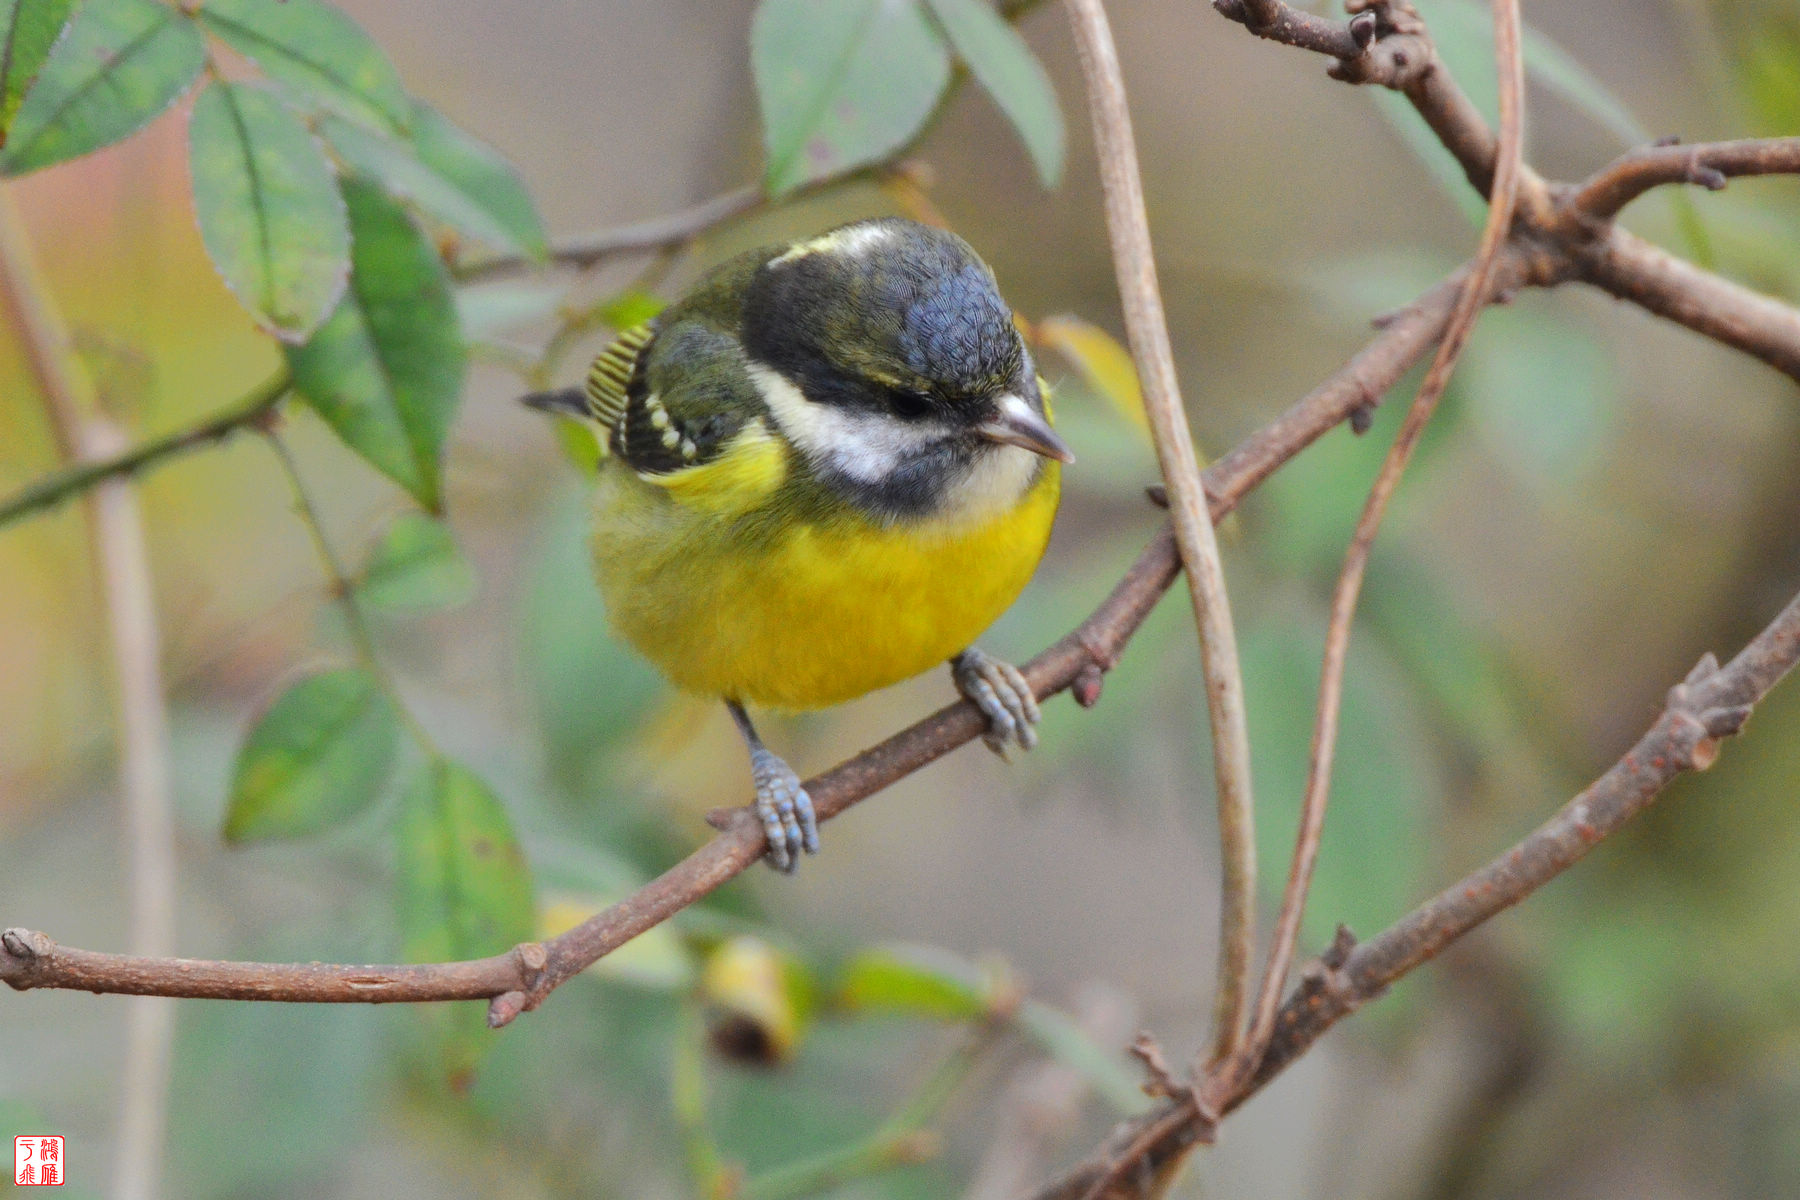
pixel 1603 498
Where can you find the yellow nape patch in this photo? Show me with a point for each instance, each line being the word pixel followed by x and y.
pixel 751 467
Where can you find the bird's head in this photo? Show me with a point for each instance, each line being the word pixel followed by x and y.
pixel 887 357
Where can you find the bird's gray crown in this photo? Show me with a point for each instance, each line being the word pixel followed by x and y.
pixel 882 307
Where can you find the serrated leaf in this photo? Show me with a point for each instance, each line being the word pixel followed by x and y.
pixel 842 83
pixel 119 64
pixel 1005 66
pixel 385 370
pixel 268 208
pixel 397 168
pixel 416 565
pixel 482 175
pixel 464 892
pixel 315 49
pixel 318 756
pixel 1104 365
pixel 28 28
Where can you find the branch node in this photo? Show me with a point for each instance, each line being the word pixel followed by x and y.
pixel 1362 417
pixel 1668 139
pixel 505 1008
pixel 25 951
pixel 1158 495
pixel 1337 954
pixel 1162 1081
pixel 1086 687
pixel 1363 28
pixel 1710 178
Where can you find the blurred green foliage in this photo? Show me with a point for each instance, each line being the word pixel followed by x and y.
pixel 749 1042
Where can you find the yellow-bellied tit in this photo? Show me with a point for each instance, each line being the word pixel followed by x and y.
pixel 826 468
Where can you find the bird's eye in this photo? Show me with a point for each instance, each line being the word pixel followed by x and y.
pixel 909 405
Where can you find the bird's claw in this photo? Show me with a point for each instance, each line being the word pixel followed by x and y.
pixel 785 809
pixel 1001 693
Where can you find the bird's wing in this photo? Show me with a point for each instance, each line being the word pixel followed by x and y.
pixel 609 379
pixel 689 419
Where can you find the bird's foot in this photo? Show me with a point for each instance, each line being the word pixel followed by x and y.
pixel 785 809
pixel 1002 695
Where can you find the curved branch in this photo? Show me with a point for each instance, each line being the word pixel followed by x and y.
pixel 522 977
pixel 1147 328
pixel 1633 269
pixel 655 233
pixel 1708 164
pixel 1710 704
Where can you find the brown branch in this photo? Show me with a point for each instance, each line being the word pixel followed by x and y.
pixel 1147 329
pixel 523 976
pixel 1386 44
pixel 1708 164
pixel 1632 269
pixel 656 233
pixel 1711 704
pixel 1473 298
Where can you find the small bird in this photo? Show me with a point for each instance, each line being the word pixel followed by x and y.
pixel 827 467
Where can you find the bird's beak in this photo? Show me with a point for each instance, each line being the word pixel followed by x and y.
pixel 1016 423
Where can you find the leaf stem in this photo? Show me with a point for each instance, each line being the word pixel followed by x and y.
pixel 343 590
pixel 255 406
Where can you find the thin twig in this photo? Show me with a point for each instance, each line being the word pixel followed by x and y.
pixel 343 591
pixel 254 408
pixel 122 563
pixel 1708 164
pixel 1711 704
pixel 1148 332
pixel 523 976
pixel 905 1138
pixel 656 233
pixel 1510 62
pixel 1632 269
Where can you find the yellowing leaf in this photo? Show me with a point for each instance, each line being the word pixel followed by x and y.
pixel 1104 365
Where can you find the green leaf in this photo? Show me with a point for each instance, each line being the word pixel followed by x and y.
pixel 482 175
pixel 268 208
pixel 27 30
pixel 914 980
pixel 465 891
pixel 1543 395
pixel 316 50
pixel 416 565
pixel 397 168
pixel 318 756
pixel 120 63
pixel 1004 65
pixel 842 83
pixel 1381 785
pixel 385 371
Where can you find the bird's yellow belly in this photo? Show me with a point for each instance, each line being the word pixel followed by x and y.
pixel 817 615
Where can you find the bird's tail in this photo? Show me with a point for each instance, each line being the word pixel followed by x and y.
pixel 568 402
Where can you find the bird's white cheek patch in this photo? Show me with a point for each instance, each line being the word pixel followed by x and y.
pixel 863 446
